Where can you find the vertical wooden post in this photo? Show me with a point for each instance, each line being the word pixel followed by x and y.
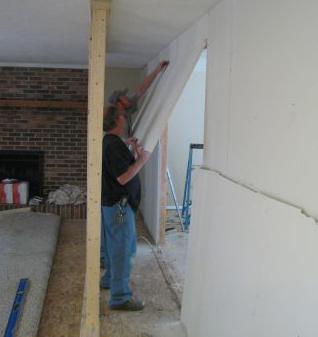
pixel 163 183
pixel 97 59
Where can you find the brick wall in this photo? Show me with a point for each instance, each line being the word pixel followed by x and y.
pixel 61 133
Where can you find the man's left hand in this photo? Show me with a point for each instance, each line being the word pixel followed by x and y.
pixel 132 143
pixel 163 65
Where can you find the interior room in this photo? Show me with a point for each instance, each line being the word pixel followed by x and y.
pixel 240 260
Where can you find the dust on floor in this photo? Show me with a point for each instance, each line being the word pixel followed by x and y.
pixel 149 285
pixel 174 255
pixel 62 309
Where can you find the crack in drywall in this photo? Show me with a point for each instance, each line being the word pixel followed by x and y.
pixel 263 193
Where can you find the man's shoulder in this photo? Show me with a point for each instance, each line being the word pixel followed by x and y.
pixel 112 141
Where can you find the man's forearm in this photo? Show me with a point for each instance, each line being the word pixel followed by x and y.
pixel 147 83
pixel 132 171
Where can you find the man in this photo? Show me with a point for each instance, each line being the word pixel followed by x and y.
pixel 120 99
pixel 121 192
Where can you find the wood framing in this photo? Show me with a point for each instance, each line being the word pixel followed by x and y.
pixel 163 184
pixel 100 11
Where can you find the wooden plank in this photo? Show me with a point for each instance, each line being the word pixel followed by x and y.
pixel 100 11
pixel 22 103
pixel 163 184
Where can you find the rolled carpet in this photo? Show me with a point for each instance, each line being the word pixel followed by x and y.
pixel 27 248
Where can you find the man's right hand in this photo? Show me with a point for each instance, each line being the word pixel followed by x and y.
pixel 141 157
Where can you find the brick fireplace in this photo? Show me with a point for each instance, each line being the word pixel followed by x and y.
pixel 43 110
pixel 23 166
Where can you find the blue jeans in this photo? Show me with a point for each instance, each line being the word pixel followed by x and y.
pixel 119 243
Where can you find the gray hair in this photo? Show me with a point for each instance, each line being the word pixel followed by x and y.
pixel 110 118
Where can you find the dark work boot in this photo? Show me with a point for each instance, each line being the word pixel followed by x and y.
pixel 131 305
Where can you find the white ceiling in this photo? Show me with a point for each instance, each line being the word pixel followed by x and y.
pixel 55 32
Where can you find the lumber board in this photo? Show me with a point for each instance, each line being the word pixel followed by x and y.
pixel 163 184
pixel 100 11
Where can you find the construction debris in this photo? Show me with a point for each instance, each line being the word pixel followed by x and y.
pixel 67 195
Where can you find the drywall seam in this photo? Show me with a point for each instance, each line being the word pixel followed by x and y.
pixel 263 193
pixel 230 86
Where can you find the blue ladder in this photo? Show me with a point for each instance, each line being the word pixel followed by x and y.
pixel 187 202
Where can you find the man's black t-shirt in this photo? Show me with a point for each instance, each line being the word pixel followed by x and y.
pixel 116 160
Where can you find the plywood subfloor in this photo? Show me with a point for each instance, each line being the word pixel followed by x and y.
pixel 63 304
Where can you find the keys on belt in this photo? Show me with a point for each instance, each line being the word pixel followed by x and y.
pixel 120 215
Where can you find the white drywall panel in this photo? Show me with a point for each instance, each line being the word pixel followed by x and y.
pixel 186 126
pixel 217 85
pixel 183 53
pixel 262 88
pixel 253 265
pixel 150 196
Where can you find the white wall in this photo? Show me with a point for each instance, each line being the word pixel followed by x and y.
pixel 150 197
pixel 253 256
pixel 253 268
pixel 186 126
pixel 263 97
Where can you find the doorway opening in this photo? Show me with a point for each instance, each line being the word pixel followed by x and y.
pixel 185 142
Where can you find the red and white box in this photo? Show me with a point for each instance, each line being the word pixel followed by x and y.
pixel 16 192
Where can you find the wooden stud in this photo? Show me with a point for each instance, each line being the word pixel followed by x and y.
pixel 100 11
pixel 163 184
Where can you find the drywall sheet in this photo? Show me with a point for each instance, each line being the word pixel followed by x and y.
pixel 183 53
pixel 262 97
pixel 150 197
pixel 253 265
